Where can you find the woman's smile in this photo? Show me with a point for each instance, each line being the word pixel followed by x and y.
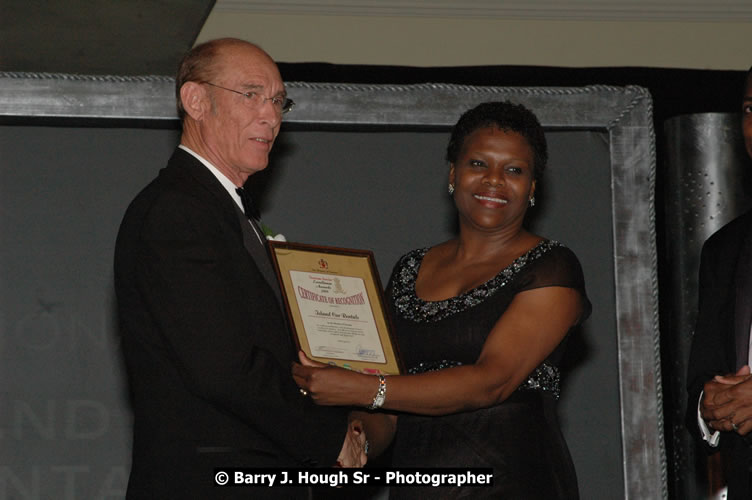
pixel 494 199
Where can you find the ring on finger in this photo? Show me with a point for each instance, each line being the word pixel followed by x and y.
pixel 734 426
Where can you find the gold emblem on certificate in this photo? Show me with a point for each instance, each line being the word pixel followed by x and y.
pixel 335 305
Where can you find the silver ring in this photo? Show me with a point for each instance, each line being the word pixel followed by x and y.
pixel 734 426
pixel 303 392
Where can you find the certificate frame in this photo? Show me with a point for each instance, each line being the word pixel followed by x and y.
pixel 330 322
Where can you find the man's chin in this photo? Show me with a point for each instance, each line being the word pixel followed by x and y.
pixel 254 167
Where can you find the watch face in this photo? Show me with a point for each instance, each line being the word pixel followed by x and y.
pixel 380 396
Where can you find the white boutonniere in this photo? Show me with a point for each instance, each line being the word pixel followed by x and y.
pixel 270 235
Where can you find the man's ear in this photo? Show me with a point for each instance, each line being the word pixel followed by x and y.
pixel 451 174
pixel 194 99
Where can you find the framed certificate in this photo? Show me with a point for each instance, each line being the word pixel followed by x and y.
pixel 336 307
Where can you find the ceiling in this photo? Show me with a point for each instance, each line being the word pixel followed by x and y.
pixel 598 10
pixel 148 37
pixel 112 37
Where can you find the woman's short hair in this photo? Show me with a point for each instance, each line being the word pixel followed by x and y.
pixel 505 116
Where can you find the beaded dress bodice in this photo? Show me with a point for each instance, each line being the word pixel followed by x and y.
pixel 409 307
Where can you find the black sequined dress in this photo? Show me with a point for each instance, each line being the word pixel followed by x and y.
pixel 520 438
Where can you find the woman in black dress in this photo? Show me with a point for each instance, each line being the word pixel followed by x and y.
pixel 481 321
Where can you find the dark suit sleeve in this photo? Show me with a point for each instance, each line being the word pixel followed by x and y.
pixel 222 327
pixel 709 351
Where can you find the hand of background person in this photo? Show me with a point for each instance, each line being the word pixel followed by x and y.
pixel 727 402
pixel 333 386
pixel 353 453
pixel 741 375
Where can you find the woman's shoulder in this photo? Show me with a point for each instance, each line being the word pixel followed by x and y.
pixel 552 260
pixel 560 251
pixel 413 258
pixel 407 266
pixel 550 248
pixel 558 266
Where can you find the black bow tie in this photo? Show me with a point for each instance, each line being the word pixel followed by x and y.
pixel 248 206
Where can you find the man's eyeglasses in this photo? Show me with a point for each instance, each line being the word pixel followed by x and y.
pixel 255 100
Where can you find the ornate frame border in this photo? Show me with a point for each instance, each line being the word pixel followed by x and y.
pixel 624 112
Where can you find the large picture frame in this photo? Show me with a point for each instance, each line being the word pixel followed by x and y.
pixel 624 114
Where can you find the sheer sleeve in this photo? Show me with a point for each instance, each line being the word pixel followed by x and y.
pixel 558 267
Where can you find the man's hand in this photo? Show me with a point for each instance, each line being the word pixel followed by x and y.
pixel 353 453
pixel 727 402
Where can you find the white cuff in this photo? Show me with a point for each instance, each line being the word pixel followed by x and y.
pixel 711 438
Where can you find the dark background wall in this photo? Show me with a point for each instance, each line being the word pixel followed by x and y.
pixel 65 419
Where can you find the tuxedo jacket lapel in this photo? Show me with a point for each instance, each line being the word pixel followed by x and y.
pixel 743 302
pixel 257 250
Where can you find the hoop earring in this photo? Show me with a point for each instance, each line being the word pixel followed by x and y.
pixel 451 189
pixel 532 201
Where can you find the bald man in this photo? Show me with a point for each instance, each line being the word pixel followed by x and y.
pixel 204 337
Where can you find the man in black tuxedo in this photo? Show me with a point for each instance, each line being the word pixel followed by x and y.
pixel 205 342
pixel 719 364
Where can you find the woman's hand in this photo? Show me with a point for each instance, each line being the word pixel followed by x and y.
pixel 333 386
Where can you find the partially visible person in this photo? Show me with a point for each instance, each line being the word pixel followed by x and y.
pixel 481 321
pixel 719 409
pixel 204 338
